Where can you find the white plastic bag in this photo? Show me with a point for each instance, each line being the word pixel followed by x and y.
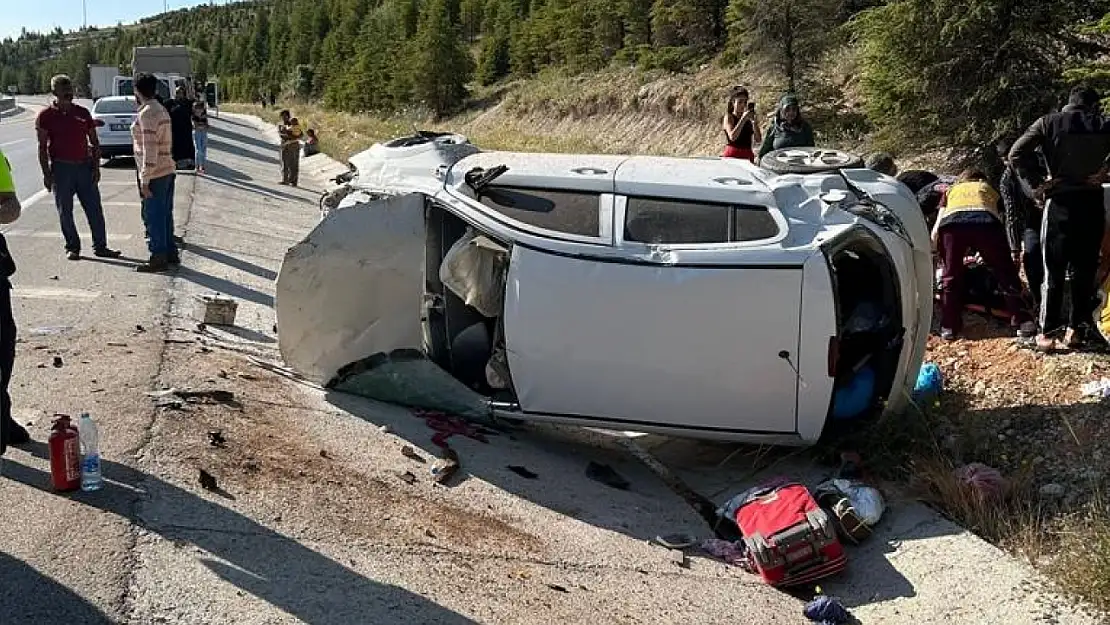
pixel 472 269
pixel 867 501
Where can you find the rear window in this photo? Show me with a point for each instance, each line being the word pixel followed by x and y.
pixel 114 107
pixel 658 220
pixel 571 212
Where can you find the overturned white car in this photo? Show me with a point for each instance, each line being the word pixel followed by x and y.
pixel 699 297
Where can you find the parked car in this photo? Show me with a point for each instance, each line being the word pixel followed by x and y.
pixel 113 116
pixel 701 297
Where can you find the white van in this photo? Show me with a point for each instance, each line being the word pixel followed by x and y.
pixel 698 297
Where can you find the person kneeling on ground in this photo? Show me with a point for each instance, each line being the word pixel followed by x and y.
pixel 311 143
pixel 152 140
pixel 969 220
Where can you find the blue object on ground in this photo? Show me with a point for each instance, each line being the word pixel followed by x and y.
pixel 856 396
pixel 930 383
pixel 827 611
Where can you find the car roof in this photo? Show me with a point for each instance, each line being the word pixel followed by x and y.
pixel 114 98
pixel 706 179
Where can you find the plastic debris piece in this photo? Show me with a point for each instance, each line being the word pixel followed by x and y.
pixel 827 611
pixel 930 384
pixel 733 553
pixel 522 471
pixel 445 467
pixel 676 541
pixel 1097 388
pixel 208 481
pixel 606 475
pixel 986 481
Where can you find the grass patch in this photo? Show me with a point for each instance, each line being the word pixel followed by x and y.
pixel 1082 560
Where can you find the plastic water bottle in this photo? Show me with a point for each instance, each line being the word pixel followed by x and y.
pixel 90 454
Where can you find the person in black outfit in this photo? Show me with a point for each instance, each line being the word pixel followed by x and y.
pixel 1023 225
pixel 11 433
pixel 181 128
pixel 1076 147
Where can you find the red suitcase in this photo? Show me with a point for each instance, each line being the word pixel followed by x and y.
pixel 790 539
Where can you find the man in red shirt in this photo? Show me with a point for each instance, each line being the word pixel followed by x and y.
pixel 69 154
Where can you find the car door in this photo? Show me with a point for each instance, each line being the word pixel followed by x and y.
pixel 708 348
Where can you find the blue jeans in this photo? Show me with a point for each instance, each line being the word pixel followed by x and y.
pixel 158 217
pixel 200 139
pixel 77 178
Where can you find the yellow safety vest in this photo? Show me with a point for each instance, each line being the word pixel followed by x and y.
pixel 968 196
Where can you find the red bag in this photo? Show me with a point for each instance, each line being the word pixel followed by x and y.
pixel 790 539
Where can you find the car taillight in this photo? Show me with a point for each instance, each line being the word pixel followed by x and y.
pixel 834 355
pixel 99 123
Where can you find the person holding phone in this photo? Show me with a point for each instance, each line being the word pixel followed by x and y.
pixel 739 123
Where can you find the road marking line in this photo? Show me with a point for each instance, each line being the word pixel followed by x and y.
pixel 28 202
pixel 58 235
pixel 16 142
pixel 55 293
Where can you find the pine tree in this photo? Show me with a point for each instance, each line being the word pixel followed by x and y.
pixel 440 64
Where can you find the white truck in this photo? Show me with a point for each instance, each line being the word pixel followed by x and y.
pixel 171 64
pixel 102 80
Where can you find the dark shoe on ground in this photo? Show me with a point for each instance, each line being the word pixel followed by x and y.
pixel 73 255
pixel 1075 338
pixel 948 334
pixel 157 264
pixel 107 253
pixel 17 435
pixel 1025 329
pixel 178 240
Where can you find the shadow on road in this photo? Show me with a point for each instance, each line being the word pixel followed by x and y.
pixel 231 135
pixel 305 584
pixel 232 261
pixel 31 597
pixel 222 174
pixel 269 157
pixel 227 287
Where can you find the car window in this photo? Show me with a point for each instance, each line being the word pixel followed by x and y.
pixel 114 107
pixel 126 87
pixel 571 212
pixel 659 220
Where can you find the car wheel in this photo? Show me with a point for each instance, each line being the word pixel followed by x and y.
pixel 809 160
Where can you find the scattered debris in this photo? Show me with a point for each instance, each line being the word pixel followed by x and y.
pixel 429 533
pixel 48 330
pixel 216 438
pixel 57 362
pixel 324 454
pixel 178 341
pixel 408 477
pixel 116 344
pixel 677 541
pixel 522 471
pixel 408 452
pixel 207 396
pixel 827 611
pixel 558 588
pixel 930 384
pixel 1097 388
pixel 246 376
pixel 385 429
pixel 733 553
pixel 986 481
pixel 208 482
pixel 606 475
pixel 222 374
pixel 446 466
pixel 53 277
pixel 139 328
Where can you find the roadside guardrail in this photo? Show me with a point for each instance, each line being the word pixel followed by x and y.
pixel 7 103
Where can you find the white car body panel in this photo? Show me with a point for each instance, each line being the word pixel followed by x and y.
pixel 353 287
pixel 605 332
pixel 641 343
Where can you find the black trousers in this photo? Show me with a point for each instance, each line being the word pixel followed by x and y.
pixel 1032 258
pixel 1071 235
pixel 7 359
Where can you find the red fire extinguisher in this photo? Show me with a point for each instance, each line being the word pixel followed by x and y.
pixel 65 455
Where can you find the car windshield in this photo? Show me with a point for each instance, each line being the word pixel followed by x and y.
pixel 114 107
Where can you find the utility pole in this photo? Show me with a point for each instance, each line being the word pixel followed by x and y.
pixel 85 14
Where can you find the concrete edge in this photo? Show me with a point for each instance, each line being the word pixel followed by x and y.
pixel 12 112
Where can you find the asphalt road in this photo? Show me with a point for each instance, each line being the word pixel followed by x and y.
pixel 17 141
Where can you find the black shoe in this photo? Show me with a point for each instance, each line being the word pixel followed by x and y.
pixel 17 435
pixel 175 259
pixel 73 255
pixel 107 253
pixel 178 240
pixel 157 264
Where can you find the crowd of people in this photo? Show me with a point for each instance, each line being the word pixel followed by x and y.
pixel 1044 215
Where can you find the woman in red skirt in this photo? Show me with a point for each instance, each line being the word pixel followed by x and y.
pixel 739 124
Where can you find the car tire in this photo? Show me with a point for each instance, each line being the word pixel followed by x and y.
pixel 808 160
